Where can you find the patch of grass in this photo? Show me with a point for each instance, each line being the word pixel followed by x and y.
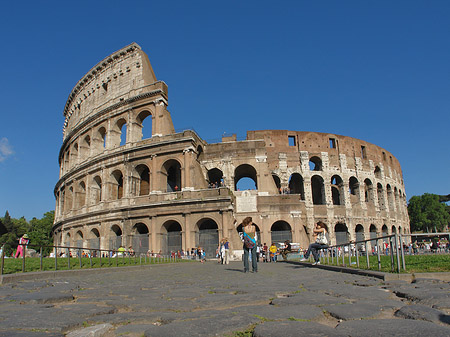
pixel 246 333
pixel 298 319
pixel 431 263
pixel 263 319
pixel 12 266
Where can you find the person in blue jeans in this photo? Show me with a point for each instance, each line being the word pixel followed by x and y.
pixel 249 236
pixel 321 242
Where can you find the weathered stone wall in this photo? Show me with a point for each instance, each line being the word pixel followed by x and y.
pixel 119 184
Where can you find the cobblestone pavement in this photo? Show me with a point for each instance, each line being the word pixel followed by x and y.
pixel 194 299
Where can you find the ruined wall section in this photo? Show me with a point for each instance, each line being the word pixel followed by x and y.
pixel 122 75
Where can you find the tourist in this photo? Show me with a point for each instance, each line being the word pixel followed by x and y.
pixel 23 242
pixel 286 249
pixel 321 242
pixel 273 252
pixel 131 251
pixel 226 251
pixel 250 238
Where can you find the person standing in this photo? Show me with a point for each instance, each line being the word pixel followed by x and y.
pixel 250 238
pixel 273 252
pixel 23 242
pixel 226 248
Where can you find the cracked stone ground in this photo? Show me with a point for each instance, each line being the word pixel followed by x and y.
pixel 193 299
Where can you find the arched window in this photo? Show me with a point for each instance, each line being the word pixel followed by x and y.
pixel 377 172
pixel 140 238
pixel 208 236
pixel 353 187
pixel 144 123
pixel 368 191
pixel 359 234
pixel 172 170
pixel 281 231
pixel 245 178
pixel 315 164
pixel 81 197
pixel 79 239
pixel 117 179
pixel 341 232
pixel 96 190
pixel 115 237
pixel 390 196
pixel 337 189
pixel 144 179
pixel 380 196
pixel 101 139
pixel 296 185
pixel 85 148
pixel 171 240
pixel 215 178
pixel 317 188
pixel 94 239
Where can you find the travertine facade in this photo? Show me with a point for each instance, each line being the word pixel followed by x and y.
pixel 128 178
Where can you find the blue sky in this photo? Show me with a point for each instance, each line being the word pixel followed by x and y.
pixel 373 70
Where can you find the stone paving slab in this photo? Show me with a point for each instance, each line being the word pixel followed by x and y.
pixel 193 299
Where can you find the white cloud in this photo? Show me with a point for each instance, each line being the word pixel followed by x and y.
pixel 5 149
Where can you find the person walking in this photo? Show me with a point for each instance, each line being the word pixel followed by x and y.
pixel 23 242
pixel 250 238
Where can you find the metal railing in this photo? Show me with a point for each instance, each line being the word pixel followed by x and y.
pixel 395 249
pixel 105 257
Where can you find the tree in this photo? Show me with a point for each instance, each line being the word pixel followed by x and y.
pixel 426 213
pixel 40 231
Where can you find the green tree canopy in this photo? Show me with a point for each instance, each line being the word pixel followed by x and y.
pixel 427 214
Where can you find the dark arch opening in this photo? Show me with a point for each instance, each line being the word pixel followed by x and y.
pixel 215 177
pixel 317 190
pixel 208 236
pixel 281 231
pixel 341 232
pixel 172 169
pixel 242 172
pixel 315 164
pixel 296 185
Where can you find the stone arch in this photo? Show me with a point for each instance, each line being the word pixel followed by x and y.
pixel 85 147
pixel 317 189
pixel 81 194
pixel 69 199
pixel 200 153
pixel 393 229
pixel 245 171
pixel 143 173
pixel 296 185
pixel 368 191
pixel 281 231
pixel 380 197
pixel 79 239
pixel 372 231
pixel 172 170
pixel 377 172
pixel 384 230
pixel 215 177
pixel 100 139
pixel 67 241
pixel 144 125
pixel 171 237
pixel 207 236
pixel 341 233
pixel 67 160
pixel 140 238
pixel 117 185
pixel 96 189
pixel 353 188
pixel 94 239
pixel 74 155
pixel 115 240
pixel 337 190
pixel 315 163
pixel 359 234
pixel 390 196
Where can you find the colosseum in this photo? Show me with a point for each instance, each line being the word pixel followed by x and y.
pixel 128 178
